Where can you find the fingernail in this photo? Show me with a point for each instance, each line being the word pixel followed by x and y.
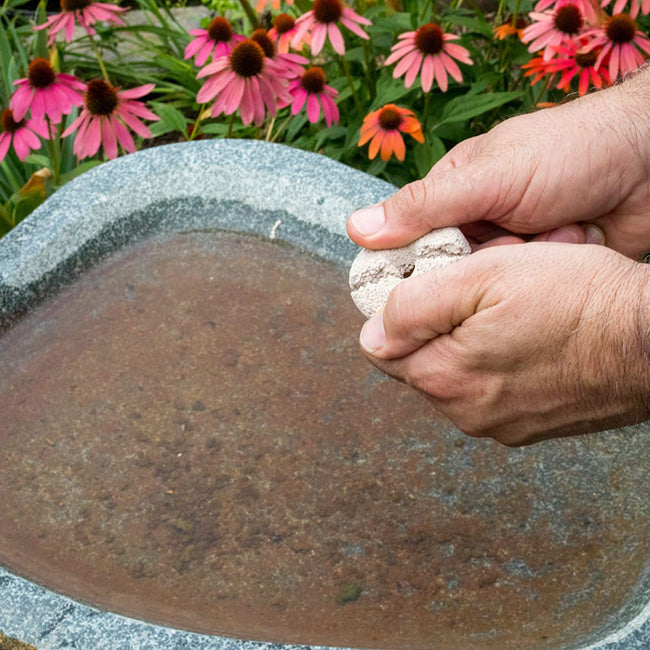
pixel 368 221
pixel 373 335
pixel 594 234
pixel 570 235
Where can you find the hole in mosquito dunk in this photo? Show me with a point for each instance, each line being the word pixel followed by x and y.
pixel 408 271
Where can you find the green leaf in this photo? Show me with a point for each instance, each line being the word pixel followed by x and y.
pixel 331 133
pixel 376 167
pixel 296 125
pixel 171 116
pixel 38 159
pixel 476 23
pixel 6 222
pixel 80 169
pixel 428 154
pixel 5 55
pixel 355 54
pixel 214 128
pixel 461 109
pixel 389 90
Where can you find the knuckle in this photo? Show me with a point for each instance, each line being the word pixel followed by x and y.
pixel 412 199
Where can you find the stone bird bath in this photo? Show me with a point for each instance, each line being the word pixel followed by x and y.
pixel 194 454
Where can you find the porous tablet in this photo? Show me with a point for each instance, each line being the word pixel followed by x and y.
pixel 375 273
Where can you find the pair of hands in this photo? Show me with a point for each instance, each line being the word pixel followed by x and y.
pixel 545 339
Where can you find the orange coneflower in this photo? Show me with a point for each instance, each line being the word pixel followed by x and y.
pixel 384 128
pixel 511 28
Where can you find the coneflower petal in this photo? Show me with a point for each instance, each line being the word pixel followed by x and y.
pixel 124 137
pixel 352 15
pixel 5 141
pixel 313 108
pixel 318 35
pixel 397 145
pixel 427 73
pixel 405 63
pixel 451 67
pixel 336 38
pixel 204 52
pixel 135 124
pixel 108 137
pixel 375 144
pixel 458 52
pixel 354 28
pixel 440 73
pixel 387 146
pixel 613 62
pixel 247 107
pixel 299 99
pixel 413 70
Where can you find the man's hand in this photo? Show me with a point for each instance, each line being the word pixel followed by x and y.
pixel 550 175
pixel 523 343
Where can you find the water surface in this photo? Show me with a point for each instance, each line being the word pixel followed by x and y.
pixel 190 436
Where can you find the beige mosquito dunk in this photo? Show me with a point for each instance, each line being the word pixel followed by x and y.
pixel 375 273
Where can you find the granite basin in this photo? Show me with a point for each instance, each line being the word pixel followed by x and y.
pixel 193 453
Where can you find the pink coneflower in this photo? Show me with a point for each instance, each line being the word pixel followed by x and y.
pixel 571 60
pixel 644 5
pixel 246 80
pixel 552 28
pixel 274 3
pixel 429 48
pixel 23 134
pixel 384 128
pixel 312 88
pixel 293 64
pixel 217 40
pixel 322 22
pixel 104 119
pixel 621 40
pixel 46 93
pixel 283 30
pixel 589 8
pixel 85 12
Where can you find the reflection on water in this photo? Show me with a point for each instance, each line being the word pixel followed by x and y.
pixel 189 435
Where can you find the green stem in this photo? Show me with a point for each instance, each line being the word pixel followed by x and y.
pixel 497 18
pixel 541 94
pixel 251 14
pixel 269 130
pixel 281 128
pixel 424 9
pixel 425 112
pixel 230 125
pixel 54 157
pixel 196 123
pixel 346 70
pixel 102 67
pixel 369 68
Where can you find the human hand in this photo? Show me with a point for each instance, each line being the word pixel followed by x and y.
pixel 549 175
pixel 523 343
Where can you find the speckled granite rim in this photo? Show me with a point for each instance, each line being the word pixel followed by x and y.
pixel 243 186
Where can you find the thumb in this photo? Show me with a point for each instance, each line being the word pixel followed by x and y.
pixel 460 188
pixel 426 306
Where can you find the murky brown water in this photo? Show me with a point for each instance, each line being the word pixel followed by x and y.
pixel 189 435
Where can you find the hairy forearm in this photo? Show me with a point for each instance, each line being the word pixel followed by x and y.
pixel 643 341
